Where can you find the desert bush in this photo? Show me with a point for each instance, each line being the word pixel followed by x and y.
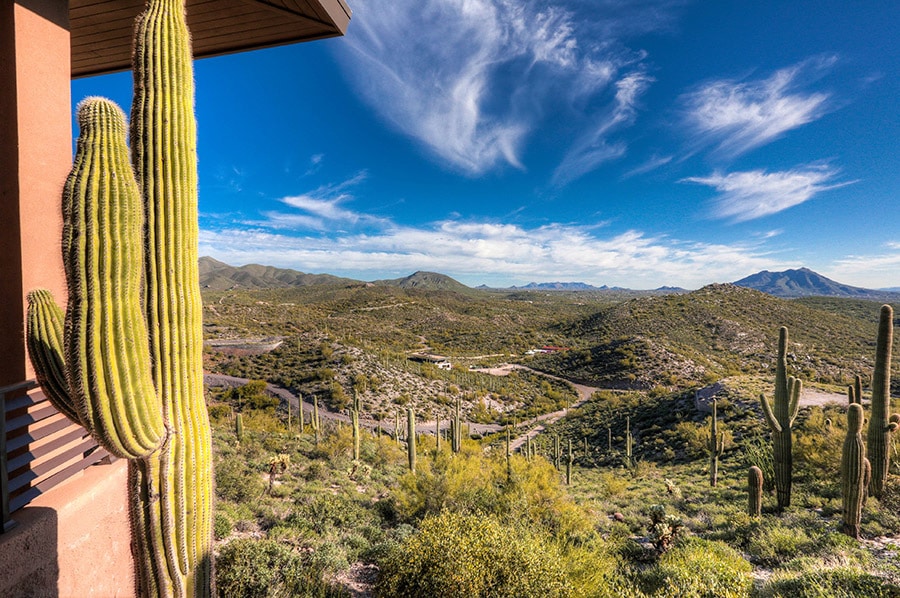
pixel 775 541
pixel 697 568
pixel 472 556
pixel 757 450
pixel 825 582
pixel 247 568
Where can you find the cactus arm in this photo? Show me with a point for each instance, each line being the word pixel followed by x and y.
pixel 795 388
pixel 105 334
pixel 767 412
pixel 857 389
pixel 44 332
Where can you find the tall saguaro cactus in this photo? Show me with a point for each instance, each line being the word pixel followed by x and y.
pixel 780 419
pixel 130 367
pixel 715 443
pixel 853 472
pixel 881 424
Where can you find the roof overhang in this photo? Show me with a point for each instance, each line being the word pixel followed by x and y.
pixel 102 29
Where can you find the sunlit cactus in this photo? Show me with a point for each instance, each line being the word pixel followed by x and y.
pixel 853 472
pixel 881 423
pixel 715 444
pixel 754 491
pixel 780 418
pixel 128 360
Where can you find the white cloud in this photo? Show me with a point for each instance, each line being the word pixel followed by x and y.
pixel 593 148
pixel 471 79
pixel 319 209
pixel 495 253
pixel 738 116
pixel 869 271
pixel 757 193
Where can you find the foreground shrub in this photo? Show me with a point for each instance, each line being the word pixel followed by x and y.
pixel 697 568
pixel 473 556
pixel 839 582
pixel 247 568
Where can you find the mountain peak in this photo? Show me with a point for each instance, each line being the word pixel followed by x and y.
pixel 803 282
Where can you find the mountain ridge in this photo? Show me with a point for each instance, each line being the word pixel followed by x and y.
pixel 803 282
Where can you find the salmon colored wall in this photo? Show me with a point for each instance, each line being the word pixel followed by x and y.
pixel 72 541
pixel 35 157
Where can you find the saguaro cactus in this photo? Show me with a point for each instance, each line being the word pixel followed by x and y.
pixel 715 443
pixel 629 441
pixel 853 472
pixel 780 419
pixel 132 346
pixel 881 423
pixel 354 417
pixel 239 427
pixel 570 459
pixel 411 438
pixel 755 491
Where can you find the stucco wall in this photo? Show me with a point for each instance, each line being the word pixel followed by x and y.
pixel 72 541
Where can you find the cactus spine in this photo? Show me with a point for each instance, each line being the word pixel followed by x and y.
pixel 755 491
pixel 132 344
pixel 853 472
pixel 411 438
pixel 715 443
pixel 881 424
pixel 780 419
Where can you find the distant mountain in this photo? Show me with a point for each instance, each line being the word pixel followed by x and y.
pixel 429 281
pixel 559 286
pixel 220 276
pixel 806 283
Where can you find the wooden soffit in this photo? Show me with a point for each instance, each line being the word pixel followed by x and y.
pixel 102 29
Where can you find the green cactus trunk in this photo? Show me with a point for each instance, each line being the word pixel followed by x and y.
pixel 437 435
pixel 132 343
pixel 715 444
pixel 239 427
pixel 853 472
pixel 457 429
pixel 569 461
pixel 411 438
pixel 881 424
pixel 629 442
pixel 354 415
pixel 780 419
pixel 315 422
pixel 755 491
pixel 508 458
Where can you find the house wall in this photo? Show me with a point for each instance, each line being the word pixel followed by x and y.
pixel 72 541
pixel 35 157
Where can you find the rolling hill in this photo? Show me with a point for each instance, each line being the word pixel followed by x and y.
pixel 219 276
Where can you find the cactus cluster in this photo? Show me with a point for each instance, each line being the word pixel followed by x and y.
pixel 780 418
pixel 127 362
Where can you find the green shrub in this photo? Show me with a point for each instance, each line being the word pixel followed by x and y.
pixel 222 526
pixel 472 556
pixel 775 541
pixel 697 568
pixel 247 568
pixel 821 582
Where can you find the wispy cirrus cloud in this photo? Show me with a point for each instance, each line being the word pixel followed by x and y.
pixel 478 76
pixel 593 147
pixel 319 209
pixel 756 193
pixel 870 270
pixel 737 116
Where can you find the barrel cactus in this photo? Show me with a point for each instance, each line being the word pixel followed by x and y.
pixel 881 423
pixel 127 363
pixel 853 472
pixel 780 419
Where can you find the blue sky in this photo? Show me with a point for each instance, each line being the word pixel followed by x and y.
pixel 637 144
